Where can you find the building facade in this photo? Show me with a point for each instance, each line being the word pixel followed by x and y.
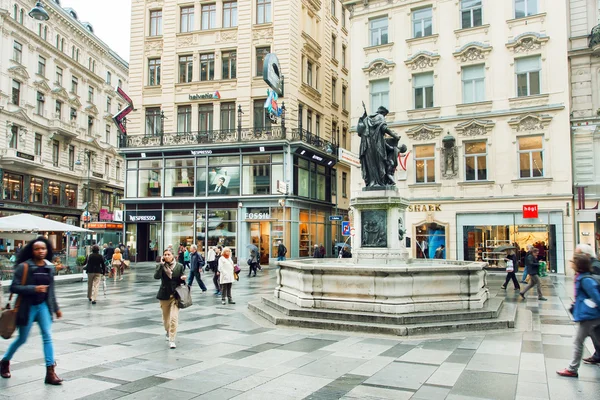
pixel 57 137
pixel 204 163
pixel 584 48
pixel 479 91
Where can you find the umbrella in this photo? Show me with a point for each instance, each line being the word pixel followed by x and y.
pixel 252 247
pixel 342 245
pixel 504 248
pixel 31 223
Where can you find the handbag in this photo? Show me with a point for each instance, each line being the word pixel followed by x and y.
pixel 183 296
pixel 509 266
pixel 236 269
pixel 236 276
pixel 8 318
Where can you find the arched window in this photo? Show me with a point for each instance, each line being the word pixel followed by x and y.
pixel 21 16
pixel 15 12
pixel 57 41
pixel 45 32
pixel 62 44
pixel 118 171
pixel 73 52
pixel 77 55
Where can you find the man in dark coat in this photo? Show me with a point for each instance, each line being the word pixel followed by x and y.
pixel 281 252
pixel 110 251
pixel 196 265
pixel 533 268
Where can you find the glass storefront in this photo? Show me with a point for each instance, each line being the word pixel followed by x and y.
pixel 429 236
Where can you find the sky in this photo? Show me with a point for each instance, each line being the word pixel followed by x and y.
pixel 111 20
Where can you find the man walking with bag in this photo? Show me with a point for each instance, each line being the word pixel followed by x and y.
pixel 533 268
pixel 196 265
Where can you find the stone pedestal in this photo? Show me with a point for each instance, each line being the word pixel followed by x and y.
pixel 378 218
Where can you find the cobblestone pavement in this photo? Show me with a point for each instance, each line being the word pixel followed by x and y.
pixel 116 349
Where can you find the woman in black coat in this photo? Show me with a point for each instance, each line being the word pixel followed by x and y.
pixel 95 269
pixel 37 303
pixel 511 267
pixel 170 273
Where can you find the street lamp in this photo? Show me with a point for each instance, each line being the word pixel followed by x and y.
pixel 87 217
pixel 39 13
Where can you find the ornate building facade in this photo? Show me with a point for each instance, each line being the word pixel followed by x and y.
pixel 479 91
pixel 57 99
pixel 205 164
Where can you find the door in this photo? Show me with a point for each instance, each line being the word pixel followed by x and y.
pixel 149 241
pixel 260 237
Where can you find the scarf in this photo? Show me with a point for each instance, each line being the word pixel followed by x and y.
pixel 168 268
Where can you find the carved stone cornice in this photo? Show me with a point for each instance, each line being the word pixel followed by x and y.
pixel 379 67
pixel 42 86
pixel 74 101
pixel 18 71
pixel 422 60
pixel 530 122
pixel 475 127
pixel 311 92
pixel 60 92
pixel 473 51
pixel 311 46
pixel 424 132
pixel 91 109
pixel 527 42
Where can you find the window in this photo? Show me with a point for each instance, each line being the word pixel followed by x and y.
pixel 230 14
pixel 62 44
pixel 13 143
pixel 531 156
pixel 118 171
pixel 107 133
pixel 36 187
pixel 90 125
pixel 186 19
pixel 41 100
pixel 21 13
pixel 153 121
pixel 229 62
pixel 106 167
pixel 59 76
pixel 71 157
pixel 423 87
pixel 41 66
pixel 184 119
pixel 333 46
pixel 261 53
pixel 108 104
pixel 318 125
pixel 425 164
pixel 108 77
pixel 333 8
pixel 71 195
pixel 77 55
pixel 119 84
pixel 380 93
pixel 528 76
pixel 344 184
pixel 73 114
pixel 37 146
pixel 15 11
pixel 16 92
pixel 205 118
pixel 345 138
pixel 209 16
pixel 154 72
pixel 309 73
pixel 186 68
pixel 44 33
pixel 13 187
pixel 17 52
pixel 55 152
pixel 58 109
pixel 422 22
pixel 227 116
pixel 343 16
pixel 263 11
pixel 378 29
pixel 261 121
pixel 155 22
pixel 473 83
pixel 73 52
pixel 207 67
pixel 344 102
pixel 343 56
pixel 524 8
pixel 74 84
pixel 475 161
pixel 470 13
pixel 334 90
pixel 90 94
pixel 54 193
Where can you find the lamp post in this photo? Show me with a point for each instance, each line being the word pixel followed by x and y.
pixel 38 12
pixel 86 213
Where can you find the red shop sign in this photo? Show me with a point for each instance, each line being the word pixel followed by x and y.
pixel 530 210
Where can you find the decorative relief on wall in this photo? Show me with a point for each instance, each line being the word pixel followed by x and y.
pixel 475 127
pixel 422 60
pixel 424 132
pixel 527 42
pixel 530 122
pixel 263 33
pixel 374 228
pixel 473 51
pixel 226 36
pixel 153 45
pixel 19 71
pixel 379 67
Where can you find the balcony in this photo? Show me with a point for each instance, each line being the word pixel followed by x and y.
pixel 310 138
pixel 594 40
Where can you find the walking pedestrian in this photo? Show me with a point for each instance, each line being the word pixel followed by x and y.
pixel 171 275
pixel 225 273
pixel 281 251
pixel 533 268
pixel 37 303
pixel 525 272
pixel 196 267
pixel 110 251
pixel 181 255
pixel 511 264
pixel 583 248
pixel 186 258
pixel 252 262
pixel 95 270
pixel 117 264
pixel 316 251
pixel 585 310
pixel 322 251
pixel 215 269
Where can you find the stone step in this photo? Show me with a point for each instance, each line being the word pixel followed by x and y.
pixel 492 309
pixel 506 319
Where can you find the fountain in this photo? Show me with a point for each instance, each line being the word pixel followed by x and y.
pixel 381 289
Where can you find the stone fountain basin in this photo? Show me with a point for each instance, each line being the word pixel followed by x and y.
pixel 412 286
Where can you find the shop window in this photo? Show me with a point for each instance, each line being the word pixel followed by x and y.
pixel 36 187
pixel 71 195
pixel 13 187
pixel 222 229
pixel 201 176
pixel 303 178
pixel 150 179
pixel 132 184
pixel 256 174
pixel 224 180
pixel 179 181
pixel 425 163
pixel 476 161
pixel 305 245
pixel 179 229
pixel 531 156
pixel 429 239
pixel 53 193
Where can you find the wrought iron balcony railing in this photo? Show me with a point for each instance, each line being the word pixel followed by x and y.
pixel 314 140
pixel 594 38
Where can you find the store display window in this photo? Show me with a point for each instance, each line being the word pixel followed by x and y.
pixel 429 239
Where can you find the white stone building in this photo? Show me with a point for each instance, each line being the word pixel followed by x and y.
pixel 57 99
pixel 479 91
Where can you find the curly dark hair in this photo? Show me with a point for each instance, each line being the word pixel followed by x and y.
pixel 95 248
pixel 26 252
pixel 582 262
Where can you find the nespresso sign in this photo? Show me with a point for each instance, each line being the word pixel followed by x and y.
pixel 142 216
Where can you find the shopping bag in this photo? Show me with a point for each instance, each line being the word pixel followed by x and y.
pixel 509 266
pixel 183 296
pixel 8 318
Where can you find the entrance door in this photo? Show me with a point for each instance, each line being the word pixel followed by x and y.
pixel 149 241
pixel 260 233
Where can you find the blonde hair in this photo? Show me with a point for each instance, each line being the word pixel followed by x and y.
pixel 226 249
pixel 117 250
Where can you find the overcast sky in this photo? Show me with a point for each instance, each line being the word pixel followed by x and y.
pixel 111 20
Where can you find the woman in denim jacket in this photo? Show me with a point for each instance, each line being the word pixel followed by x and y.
pixel 586 310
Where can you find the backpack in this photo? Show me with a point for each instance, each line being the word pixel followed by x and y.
pixel 594 277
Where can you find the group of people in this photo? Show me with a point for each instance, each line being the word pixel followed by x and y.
pixel 319 251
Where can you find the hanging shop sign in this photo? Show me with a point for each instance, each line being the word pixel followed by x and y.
pixel 106 215
pixel 424 207
pixel 530 211
pixel 142 216
pixel 272 74
pixel 104 225
pixel 348 157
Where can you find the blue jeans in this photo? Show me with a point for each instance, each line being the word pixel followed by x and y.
pixel 281 258
pixel 524 274
pixel 41 314
pixel 196 275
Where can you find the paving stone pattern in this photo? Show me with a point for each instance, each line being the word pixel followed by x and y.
pixel 116 350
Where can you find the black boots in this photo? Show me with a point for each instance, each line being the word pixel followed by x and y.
pixel 5 369
pixel 51 377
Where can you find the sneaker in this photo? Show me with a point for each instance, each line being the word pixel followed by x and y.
pixel 172 345
pixel 89 298
pixel 518 288
pixel 568 373
pixel 231 302
pixel 542 299
pixel 522 295
pixel 94 302
pixel 167 337
pixel 523 281
pixel 591 360
pixel 223 302
pixel 503 287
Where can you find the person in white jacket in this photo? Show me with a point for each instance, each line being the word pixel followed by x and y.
pixel 226 275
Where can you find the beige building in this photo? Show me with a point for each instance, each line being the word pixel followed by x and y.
pixel 57 98
pixel 197 85
pixel 584 48
pixel 479 91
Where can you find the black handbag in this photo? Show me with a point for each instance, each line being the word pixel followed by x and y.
pixel 183 296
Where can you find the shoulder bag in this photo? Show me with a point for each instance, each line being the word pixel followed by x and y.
pixel 183 296
pixel 8 318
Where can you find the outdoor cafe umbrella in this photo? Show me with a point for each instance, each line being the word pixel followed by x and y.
pixel 31 223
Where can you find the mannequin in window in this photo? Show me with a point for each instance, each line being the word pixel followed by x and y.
pixel 221 188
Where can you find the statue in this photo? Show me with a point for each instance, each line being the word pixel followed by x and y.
pixel 378 155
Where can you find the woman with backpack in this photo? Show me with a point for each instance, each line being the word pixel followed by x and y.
pixel 585 310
